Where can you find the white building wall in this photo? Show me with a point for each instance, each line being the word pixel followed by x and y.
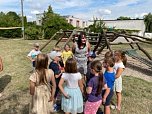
pixel 39 19
pixel 125 24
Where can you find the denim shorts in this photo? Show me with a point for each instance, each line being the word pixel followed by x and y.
pixel 109 97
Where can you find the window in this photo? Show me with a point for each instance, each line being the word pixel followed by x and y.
pixel 77 24
pixel 83 24
pixel 71 21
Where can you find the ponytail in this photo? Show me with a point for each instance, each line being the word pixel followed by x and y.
pixel 100 84
pixel 124 58
pixel 97 66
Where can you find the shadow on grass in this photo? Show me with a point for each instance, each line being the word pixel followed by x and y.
pixel 13 104
pixel 140 69
pixel 4 80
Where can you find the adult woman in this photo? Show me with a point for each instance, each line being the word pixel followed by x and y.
pixel 80 50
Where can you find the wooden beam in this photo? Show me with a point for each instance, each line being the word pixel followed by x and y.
pixel 70 37
pixel 48 42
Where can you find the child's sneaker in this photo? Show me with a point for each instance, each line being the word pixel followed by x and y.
pixel 56 108
pixel 113 107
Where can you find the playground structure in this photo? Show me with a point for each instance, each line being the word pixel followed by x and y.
pixel 105 40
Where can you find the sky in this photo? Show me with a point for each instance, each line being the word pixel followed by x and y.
pixel 83 9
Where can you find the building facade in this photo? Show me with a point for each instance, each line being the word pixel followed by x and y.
pixel 76 22
pixel 39 19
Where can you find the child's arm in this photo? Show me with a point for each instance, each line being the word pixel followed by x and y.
pixel 53 88
pixel 32 88
pixel 107 91
pixel 29 56
pixel 80 85
pixel 58 75
pixel 119 72
pixel 89 90
pixel 61 88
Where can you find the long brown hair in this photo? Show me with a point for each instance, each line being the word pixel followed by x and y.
pixel 41 65
pixel 97 66
pixel 79 42
pixel 71 65
pixel 122 56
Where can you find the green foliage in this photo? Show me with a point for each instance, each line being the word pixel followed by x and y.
pixel 11 19
pixel 32 32
pixel 52 23
pixel 123 18
pixel 148 22
pixel 97 27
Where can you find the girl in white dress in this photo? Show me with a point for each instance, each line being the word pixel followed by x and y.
pixel 72 100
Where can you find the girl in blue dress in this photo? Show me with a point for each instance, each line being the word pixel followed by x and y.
pixel 72 100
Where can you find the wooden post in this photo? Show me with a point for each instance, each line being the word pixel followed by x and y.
pixel 129 44
pixel 48 42
pixel 63 34
pixel 70 37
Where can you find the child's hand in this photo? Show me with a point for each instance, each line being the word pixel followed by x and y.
pixel 67 96
pixel 103 101
pixel 51 99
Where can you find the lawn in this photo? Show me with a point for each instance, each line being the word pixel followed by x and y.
pixel 14 83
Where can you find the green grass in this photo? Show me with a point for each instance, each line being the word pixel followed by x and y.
pixel 14 83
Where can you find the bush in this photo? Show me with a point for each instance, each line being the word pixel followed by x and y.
pixel 32 33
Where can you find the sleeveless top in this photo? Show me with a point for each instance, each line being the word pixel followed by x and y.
pixel 81 58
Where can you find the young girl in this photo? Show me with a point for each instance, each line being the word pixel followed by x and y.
pixel 72 101
pixel 109 76
pixel 120 62
pixel 66 53
pixel 42 95
pixel 95 86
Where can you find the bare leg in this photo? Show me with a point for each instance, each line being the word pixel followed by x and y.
pixel 106 109
pixel 67 112
pixel 119 97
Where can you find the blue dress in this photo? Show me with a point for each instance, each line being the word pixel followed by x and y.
pixel 75 103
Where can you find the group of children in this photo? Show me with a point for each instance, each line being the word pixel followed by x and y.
pixel 51 77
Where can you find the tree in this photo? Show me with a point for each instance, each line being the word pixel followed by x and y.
pixel 123 18
pixel 148 22
pixel 97 26
pixel 53 22
pixel 11 19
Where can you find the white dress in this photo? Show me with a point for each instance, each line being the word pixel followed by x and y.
pixel 75 103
